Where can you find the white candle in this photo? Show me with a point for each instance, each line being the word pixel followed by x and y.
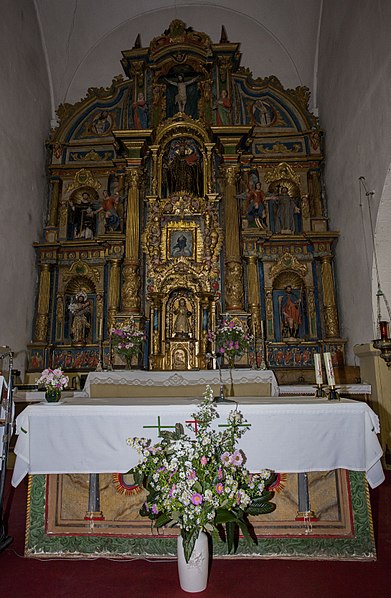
pixel 100 328
pixel 329 369
pixel 262 330
pixel 318 368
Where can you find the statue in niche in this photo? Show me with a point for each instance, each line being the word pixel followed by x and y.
pixel 81 216
pixel 182 95
pixel 286 212
pixel 182 322
pixel 290 313
pixel 263 114
pixel 223 109
pixel 80 309
pixel 183 168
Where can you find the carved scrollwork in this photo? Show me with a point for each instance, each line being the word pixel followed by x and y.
pixel 288 262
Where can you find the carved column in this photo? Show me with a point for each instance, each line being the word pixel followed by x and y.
pixel 130 271
pixel 233 266
pixel 42 319
pixel 113 292
pixel 330 311
pixel 254 299
pixel 54 202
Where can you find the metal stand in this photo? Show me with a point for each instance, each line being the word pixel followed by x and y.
pixel 94 513
pixel 99 367
pixel 304 513
pixel 6 423
pixel 319 392
pixel 332 393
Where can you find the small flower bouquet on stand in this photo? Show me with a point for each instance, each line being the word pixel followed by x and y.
pixel 126 340
pixel 231 340
pixel 202 484
pixel 54 382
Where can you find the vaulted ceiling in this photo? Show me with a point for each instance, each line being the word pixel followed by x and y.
pixel 83 39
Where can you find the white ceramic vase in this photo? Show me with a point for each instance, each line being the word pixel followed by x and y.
pixel 193 576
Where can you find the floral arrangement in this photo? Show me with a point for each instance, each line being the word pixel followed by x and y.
pixel 231 340
pixel 202 484
pixel 53 379
pixel 127 339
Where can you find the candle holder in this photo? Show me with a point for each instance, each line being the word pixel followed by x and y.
pixel 332 393
pixel 99 367
pixel 320 392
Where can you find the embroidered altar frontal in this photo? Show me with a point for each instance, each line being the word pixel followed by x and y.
pixel 339 526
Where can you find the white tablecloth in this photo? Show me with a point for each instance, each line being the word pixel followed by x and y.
pixel 188 378
pixel 286 435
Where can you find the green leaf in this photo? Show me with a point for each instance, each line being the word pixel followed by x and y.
pixel 230 528
pixel 223 516
pixel 163 519
pixel 263 509
pixel 189 540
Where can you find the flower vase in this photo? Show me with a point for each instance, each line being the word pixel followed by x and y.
pixel 128 362
pixel 193 576
pixel 52 395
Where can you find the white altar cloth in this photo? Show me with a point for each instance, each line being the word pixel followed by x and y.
pixel 176 378
pixel 286 435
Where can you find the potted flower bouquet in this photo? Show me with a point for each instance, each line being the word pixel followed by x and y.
pixel 231 340
pixel 54 382
pixel 127 340
pixel 202 484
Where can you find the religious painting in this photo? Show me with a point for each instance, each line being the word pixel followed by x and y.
pixel 181 243
pixel 102 123
pixel 262 113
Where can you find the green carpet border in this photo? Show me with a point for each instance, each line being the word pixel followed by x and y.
pixel 360 547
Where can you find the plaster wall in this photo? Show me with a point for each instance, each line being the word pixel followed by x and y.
pixel 24 123
pixel 355 110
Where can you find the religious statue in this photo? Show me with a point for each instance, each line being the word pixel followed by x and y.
pixel 182 101
pixel 285 210
pixel 140 112
pixel 290 314
pixel 256 205
pixel 183 171
pixel 182 323
pixel 110 208
pixel 80 308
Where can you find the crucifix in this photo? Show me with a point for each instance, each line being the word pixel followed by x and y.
pixel 195 422
pixel 159 427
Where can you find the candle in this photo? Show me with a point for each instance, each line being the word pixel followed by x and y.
pixel 318 368
pixel 262 330
pixel 100 333
pixel 329 369
pixel 383 330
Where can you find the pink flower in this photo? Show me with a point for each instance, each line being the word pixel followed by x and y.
pixel 192 475
pixel 237 458
pixel 204 460
pixel 219 488
pixel 154 509
pixel 196 499
pixel 225 458
pixel 220 473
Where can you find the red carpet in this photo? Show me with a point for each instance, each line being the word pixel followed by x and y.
pixel 20 577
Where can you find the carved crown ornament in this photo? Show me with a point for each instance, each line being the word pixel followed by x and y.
pixel 81 268
pixel 83 178
pixel 288 262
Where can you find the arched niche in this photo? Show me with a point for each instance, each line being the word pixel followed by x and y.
pixel 289 306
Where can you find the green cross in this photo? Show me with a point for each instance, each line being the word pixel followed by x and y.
pixel 234 425
pixel 159 426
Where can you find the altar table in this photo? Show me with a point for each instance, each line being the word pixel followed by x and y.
pixel 88 435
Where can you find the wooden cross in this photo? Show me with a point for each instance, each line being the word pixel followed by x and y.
pixel 195 422
pixel 159 426
pixel 234 425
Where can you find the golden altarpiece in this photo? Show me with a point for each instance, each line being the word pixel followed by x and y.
pixel 184 191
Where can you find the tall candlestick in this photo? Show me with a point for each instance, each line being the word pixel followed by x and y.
pixel 318 368
pixel 329 369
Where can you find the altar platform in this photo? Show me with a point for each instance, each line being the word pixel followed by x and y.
pixel 334 442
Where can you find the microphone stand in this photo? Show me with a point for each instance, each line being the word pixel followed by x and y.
pixel 7 424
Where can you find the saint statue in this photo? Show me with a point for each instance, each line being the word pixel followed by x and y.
pixel 180 98
pixel 182 323
pixel 183 172
pixel 290 313
pixel 80 308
